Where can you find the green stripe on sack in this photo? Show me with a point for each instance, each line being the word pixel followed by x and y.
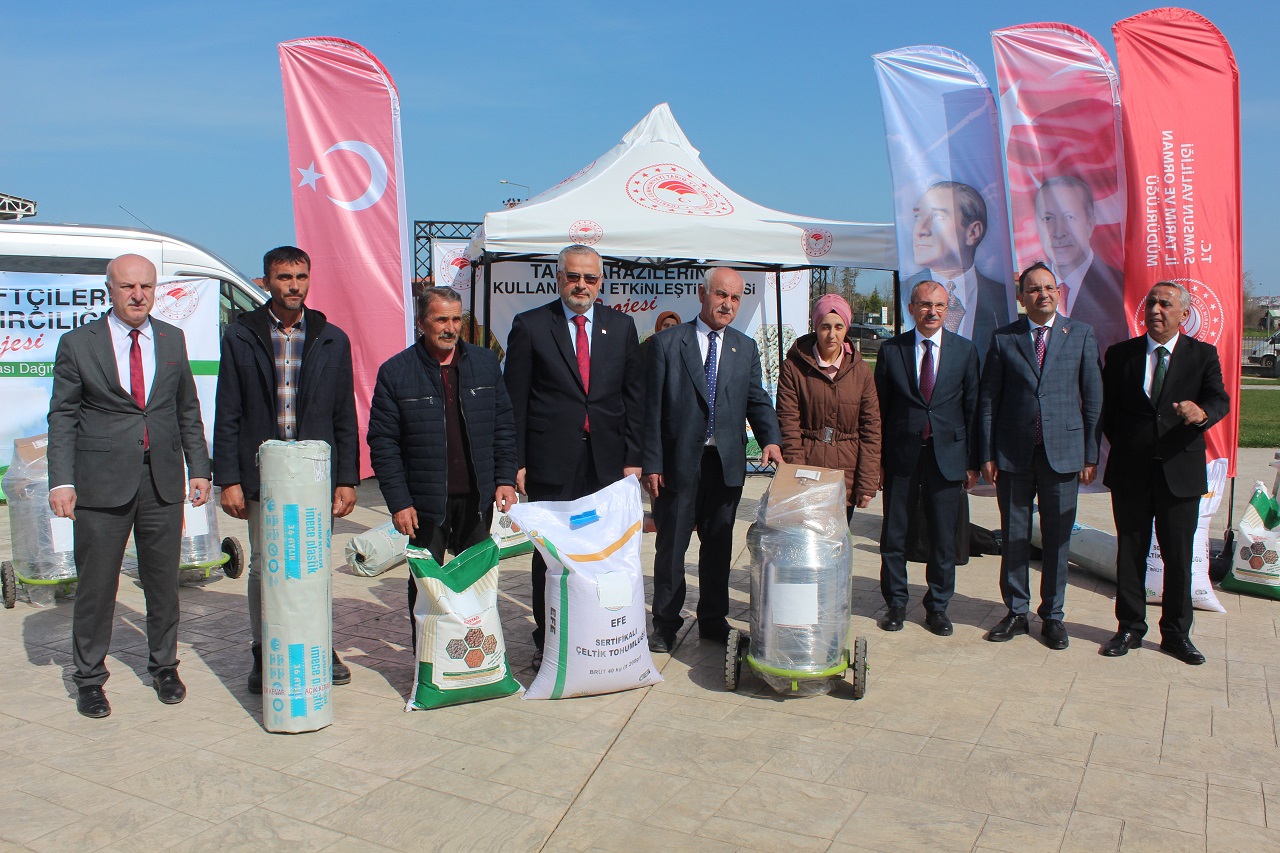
pixel 1265 506
pixel 462 571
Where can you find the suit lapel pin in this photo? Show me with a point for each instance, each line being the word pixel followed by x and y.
pixel 733 349
pixel 604 331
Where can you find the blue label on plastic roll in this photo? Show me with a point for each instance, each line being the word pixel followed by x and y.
pixel 297 680
pixel 292 542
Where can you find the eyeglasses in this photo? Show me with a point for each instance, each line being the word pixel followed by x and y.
pixel 575 277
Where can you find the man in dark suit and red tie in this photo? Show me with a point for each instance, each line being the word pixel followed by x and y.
pixel 702 384
pixel 1160 392
pixel 1039 413
pixel 123 420
pixel 573 370
pixel 927 381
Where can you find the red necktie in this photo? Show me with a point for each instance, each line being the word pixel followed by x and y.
pixel 137 382
pixel 584 363
pixel 1040 345
pixel 926 382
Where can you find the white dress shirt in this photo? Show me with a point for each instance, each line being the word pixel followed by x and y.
pixel 122 343
pixel 569 314
pixel 703 343
pixel 1150 372
pixel 1047 335
pixel 937 351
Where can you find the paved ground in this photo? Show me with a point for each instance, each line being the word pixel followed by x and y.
pixel 959 744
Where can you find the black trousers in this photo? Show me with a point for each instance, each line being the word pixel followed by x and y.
pixel 582 481
pixel 941 509
pixel 711 507
pixel 465 523
pixel 101 534
pixel 1175 518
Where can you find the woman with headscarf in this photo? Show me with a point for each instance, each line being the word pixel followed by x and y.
pixel 827 405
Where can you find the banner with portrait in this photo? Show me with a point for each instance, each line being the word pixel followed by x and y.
pixel 943 136
pixel 346 168
pixel 37 309
pixel 1060 123
pixel 1181 114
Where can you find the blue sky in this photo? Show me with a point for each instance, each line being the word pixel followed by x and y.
pixel 175 111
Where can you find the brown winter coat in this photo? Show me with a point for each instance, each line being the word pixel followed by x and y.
pixel 809 402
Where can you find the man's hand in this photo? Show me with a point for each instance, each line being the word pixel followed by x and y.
pixel 233 501
pixel 406 521
pixel 344 500
pixel 864 501
pixel 989 472
pixel 771 453
pixel 1088 475
pixel 63 502
pixel 505 497
pixel 971 479
pixel 1191 414
pixel 628 471
pixel 199 491
pixel 520 482
pixel 653 483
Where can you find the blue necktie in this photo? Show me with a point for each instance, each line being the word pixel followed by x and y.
pixel 709 368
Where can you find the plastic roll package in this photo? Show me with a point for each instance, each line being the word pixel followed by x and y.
pixel 801 566
pixel 43 544
pixel 201 543
pixel 376 551
pixel 297 586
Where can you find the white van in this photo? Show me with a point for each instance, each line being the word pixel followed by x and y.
pixel 37 247
pixel 1265 352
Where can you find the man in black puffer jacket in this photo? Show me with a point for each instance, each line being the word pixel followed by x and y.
pixel 442 435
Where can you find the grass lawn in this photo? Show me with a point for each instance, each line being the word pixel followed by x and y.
pixel 1260 418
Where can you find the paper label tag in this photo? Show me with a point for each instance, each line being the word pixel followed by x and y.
pixel 63 533
pixel 195 521
pixel 808 474
pixel 793 605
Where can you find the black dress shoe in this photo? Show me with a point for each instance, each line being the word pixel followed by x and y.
pixel 92 702
pixel 169 687
pixel 938 623
pixel 661 643
pixel 1183 651
pixel 1055 634
pixel 1008 628
pixel 341 672
pixel 254 682
pixel 1119 645
pixel 537 660
pixel 720 635
pixel 892 620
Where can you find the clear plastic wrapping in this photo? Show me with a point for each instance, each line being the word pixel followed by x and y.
pixel 801 566
pixel 43 547
pixel 201 543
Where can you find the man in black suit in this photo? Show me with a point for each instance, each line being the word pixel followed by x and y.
pixel 927 381
pixel 1160 392
pixel 702 382
pixel 285 374
pixel 1039 411
pixel 573 370
pixel 123 420
pixel 949 223
pixel 1090 290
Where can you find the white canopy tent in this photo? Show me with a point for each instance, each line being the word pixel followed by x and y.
pixel 650 199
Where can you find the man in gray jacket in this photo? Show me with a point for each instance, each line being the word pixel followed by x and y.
pixel 1040 410
pixel 123 419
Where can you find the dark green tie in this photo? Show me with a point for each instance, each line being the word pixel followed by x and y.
pixel 1162 365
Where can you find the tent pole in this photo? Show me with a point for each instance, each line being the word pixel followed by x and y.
pixel 778 293
pixel 488 283
pixel 897 303
pixel 475 324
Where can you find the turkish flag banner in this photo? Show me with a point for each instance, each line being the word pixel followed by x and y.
pixel 1181 110
pixel 1060 122
pixel 346 166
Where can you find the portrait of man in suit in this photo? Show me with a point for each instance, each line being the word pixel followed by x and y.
pixel 1160 392
pixel 1039 414
pixel 702 385
pixel 124 420
pixel 927 382
pixel 948 224
pixel 1089 289
pixel 573 370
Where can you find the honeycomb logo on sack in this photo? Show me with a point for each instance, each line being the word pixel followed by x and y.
pixel 177 300
pixel 668 188
pixel 473 648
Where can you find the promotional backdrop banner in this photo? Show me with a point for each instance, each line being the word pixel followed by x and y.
pixel 343 117
pixel 1182 157
pixel 948 185
pixel 37 309
pixel 1060 120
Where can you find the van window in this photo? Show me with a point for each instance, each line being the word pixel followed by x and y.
pixel 60 266
pixel 232 302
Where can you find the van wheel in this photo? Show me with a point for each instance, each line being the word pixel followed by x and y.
pixel 1269 362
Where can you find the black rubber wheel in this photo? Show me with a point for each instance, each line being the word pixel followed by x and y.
pixel 857 672
pixel 732 661
pixel 234 567
pixel 10 583
pixel 1268 362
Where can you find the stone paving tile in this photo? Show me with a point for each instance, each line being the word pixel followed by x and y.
pixel 959 744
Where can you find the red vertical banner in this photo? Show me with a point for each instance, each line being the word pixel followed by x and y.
pixel 1181 109
pixel 1060 122
pixel 346 165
